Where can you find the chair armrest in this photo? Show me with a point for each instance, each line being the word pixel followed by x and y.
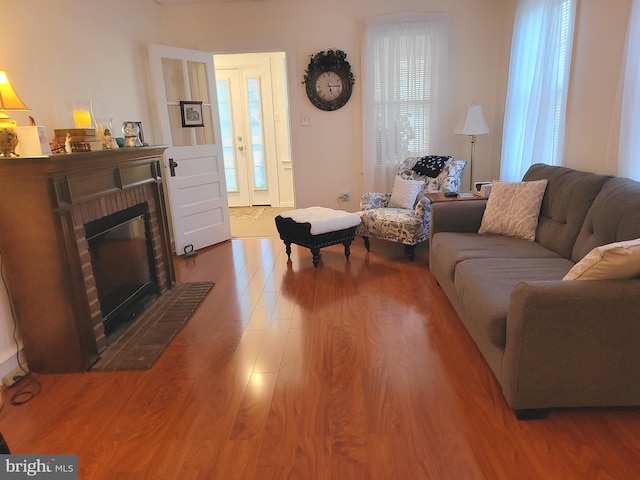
pixel 423 208
pixel 457 216
pixel 573 343
pixel 374 200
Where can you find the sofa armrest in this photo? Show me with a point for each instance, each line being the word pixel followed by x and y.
pixel 460 216
pixel 573 343
pixel 374 200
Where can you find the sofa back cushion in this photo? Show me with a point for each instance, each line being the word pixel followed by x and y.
pixel 613 217
pixel 565 204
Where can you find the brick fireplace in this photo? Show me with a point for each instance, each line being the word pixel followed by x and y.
pixel 105 206
pixel 45 204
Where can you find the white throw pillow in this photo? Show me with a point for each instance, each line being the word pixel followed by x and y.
pixel 513 209
pixel 613 261
pixel 404 192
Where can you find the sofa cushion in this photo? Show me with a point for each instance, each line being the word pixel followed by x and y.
pixel 453 248
pixel 565 204
pixel 513 209
pixel 485 286
pixel 405 192
pixel 613 217
pixel 617 260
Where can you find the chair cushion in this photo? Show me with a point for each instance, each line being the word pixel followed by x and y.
pixel 405 192
pixel 394 224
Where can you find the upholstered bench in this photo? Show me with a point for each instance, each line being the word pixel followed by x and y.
pixel 317 227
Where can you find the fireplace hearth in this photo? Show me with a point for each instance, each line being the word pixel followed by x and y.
pixel 56 209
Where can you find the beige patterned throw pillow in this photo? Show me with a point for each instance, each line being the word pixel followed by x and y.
pixel 613 261
pixel 513 209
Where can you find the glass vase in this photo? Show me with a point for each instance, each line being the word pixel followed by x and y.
pixel 81 112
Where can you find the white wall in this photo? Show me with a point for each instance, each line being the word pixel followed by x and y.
pixel 327 155
pixel 593 108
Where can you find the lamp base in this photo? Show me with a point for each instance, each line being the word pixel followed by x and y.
pixel 8 138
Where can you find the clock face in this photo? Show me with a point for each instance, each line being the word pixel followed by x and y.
pixel 329 88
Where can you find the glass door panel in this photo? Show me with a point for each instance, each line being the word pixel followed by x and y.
pixel 226 127
pixel 254 107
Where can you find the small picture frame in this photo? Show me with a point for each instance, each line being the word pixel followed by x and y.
pixel 191 113
pixel 141 134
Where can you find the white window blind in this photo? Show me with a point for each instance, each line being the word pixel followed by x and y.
pixel 405 77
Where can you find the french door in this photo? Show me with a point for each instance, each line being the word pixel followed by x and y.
pixel 248 134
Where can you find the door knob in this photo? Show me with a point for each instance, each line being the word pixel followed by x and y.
pixel 172 167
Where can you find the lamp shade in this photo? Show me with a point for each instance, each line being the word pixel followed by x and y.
pixel 9 100
pixel 473 123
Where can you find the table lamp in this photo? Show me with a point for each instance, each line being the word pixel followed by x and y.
pixel 9 100
pixel 473 125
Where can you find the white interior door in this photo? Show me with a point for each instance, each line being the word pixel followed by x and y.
pixel 249 139
pixel 194 165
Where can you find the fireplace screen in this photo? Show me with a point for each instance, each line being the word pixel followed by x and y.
pixel 123 264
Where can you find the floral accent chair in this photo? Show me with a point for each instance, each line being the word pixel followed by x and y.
pixel 403 215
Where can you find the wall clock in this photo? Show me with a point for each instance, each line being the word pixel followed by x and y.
pixel 328 80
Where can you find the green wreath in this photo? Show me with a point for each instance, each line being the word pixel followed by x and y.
pixel 330 59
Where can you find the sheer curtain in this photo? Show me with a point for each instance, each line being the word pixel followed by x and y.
pixel 535 114
pixel 629 147
pixel 405 71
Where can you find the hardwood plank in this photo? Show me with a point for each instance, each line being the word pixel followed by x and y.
pixel 351 370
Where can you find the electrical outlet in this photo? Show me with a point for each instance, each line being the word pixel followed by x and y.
pixel 12 377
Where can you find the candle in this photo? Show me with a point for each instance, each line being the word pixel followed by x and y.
pixel 82 118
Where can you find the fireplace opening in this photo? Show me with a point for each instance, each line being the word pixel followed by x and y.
pixel 123 266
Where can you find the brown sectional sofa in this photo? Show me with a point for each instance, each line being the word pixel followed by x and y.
pixel 550 343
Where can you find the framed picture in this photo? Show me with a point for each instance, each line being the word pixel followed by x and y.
pixel 191 113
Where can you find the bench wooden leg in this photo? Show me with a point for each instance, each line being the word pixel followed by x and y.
pixel 315 252
pixel 347 248
pixel 366 243
pixel 287 246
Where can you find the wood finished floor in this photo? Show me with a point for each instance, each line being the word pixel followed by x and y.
pixel 356 370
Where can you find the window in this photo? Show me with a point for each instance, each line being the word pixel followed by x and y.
pixel 535 114
pixel 404 93
pixel 629 154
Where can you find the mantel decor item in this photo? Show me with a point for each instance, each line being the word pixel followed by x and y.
pixel 191 113
pixel 104 134
pixel 131 131
pixel 9 100
pixel 328 80
pixel 473 125
pixel 82 113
